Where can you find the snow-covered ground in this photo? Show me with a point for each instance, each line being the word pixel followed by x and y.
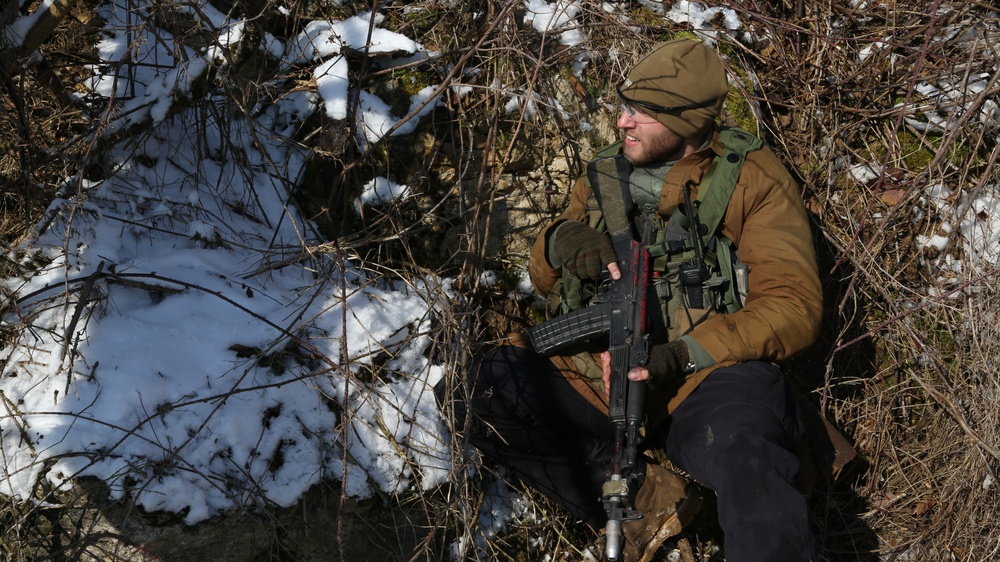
pixel 166 283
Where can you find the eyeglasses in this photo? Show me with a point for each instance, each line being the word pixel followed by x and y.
pixel 657 108
pixel 636 115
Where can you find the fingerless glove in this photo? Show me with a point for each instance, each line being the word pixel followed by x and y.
pixel 667 362
pixel 583 251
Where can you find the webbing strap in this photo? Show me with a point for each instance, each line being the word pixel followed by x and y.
pixel 609 179
pixel 715 196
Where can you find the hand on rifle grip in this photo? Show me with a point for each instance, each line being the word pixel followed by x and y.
pixel 667 361
pixel 636 374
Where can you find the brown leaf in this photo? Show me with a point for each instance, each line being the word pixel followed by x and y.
pixel 892 197
pixel 923 506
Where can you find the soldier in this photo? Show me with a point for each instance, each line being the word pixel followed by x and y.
pixel 732 299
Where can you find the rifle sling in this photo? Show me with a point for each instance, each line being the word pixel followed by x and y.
pixel 616 204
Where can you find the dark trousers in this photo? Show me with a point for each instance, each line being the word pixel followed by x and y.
pixel 734 434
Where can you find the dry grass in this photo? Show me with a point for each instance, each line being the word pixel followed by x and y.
pixel 905 365
pixel 907 370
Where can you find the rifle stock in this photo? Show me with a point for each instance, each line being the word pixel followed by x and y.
pixel 621 316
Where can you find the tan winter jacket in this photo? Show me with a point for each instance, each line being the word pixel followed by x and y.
pixel 767 221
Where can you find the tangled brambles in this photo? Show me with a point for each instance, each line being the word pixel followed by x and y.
pixel 884 110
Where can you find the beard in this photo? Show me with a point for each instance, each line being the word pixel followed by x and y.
pixel 663 146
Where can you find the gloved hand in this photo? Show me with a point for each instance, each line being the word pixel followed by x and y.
pixel 667 362
pixel 583 251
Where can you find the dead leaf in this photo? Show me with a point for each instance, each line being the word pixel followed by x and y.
pixel 892 197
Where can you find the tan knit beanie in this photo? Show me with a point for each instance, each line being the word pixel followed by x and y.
pixel 686 78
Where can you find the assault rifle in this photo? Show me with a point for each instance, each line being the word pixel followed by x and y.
pixel 620 316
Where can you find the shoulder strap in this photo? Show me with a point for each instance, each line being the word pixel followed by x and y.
pixel 609 177
pixel 717 190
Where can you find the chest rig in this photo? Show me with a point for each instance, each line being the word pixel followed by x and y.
pixel 696 270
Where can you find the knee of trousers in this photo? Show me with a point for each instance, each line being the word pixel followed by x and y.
pixel 458 395
pixel 731 447
pixel 500 389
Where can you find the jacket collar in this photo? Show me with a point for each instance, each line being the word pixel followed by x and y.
pixel 690 169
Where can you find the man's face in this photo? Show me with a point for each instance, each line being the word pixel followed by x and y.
pixel 645 140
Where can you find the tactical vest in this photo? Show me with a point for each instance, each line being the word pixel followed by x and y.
pixel 696 270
